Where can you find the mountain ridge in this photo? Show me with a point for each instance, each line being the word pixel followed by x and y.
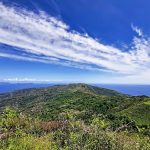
pixel 77 105
pixel 75 86
pixel 48 102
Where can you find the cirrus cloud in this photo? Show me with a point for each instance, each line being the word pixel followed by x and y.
pixel 43 38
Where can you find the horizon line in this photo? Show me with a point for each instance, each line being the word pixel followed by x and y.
pixel 67 82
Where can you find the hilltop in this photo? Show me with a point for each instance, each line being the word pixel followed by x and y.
pixel 44 94
pixel 48 102
pixel 74 111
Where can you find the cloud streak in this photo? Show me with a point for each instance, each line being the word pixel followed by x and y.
pixel 27 80
pixel 137 30
pixel 48 40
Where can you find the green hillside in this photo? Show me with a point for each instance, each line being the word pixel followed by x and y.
pixel 62 115
pixel 24 98
pixel 140 113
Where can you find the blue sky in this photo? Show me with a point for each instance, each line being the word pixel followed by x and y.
pixel 99 41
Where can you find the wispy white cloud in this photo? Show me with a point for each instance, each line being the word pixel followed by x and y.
pixel 137 30
pixel 28 80
pixel 48 40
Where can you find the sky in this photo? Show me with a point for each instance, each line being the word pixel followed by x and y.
pixel 99 41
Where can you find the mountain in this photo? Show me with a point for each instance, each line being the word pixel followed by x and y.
pixel 68 116
pixel 34 95
pixel 48 102
pixel 134 90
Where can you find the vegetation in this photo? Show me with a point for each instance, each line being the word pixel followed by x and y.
pixel 74 117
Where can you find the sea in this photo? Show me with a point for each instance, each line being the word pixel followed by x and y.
pixel 133 90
